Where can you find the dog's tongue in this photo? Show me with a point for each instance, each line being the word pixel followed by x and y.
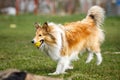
pixel 37 44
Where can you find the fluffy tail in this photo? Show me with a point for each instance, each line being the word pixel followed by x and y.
pixel 97 14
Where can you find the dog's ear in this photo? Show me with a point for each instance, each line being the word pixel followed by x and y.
pixel 37 25
pixel 45 26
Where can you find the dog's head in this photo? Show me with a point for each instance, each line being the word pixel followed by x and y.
pixel 43 35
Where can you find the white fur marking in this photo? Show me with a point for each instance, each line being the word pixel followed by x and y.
pixel 90 57
pixel 62 65
pixel 99 58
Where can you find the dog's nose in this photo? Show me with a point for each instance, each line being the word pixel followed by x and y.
pixel 32 41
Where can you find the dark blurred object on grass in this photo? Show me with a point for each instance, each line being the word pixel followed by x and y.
pixel 14 74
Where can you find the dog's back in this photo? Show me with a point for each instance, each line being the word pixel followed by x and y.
pixel 86 33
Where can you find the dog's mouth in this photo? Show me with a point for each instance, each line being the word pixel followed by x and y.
pixel 39 43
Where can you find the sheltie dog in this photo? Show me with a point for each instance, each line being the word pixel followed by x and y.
pixel 63 43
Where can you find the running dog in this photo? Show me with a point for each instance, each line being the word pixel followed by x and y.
pixel 63 43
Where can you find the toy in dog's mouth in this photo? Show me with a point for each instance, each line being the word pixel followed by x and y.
pixel 39 43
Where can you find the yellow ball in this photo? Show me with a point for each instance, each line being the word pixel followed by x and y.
pixel 37 44
pixel 12 25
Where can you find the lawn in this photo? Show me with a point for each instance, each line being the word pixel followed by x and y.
pixel 16 50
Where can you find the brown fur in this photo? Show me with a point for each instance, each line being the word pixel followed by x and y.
pixel 80 34
pixel 64 42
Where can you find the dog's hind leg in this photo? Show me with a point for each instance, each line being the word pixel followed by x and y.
pixel 90 57
pixel 98 55
pixel 99 58
pixel 96 50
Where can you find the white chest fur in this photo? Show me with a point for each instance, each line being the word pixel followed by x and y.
pixel 52 51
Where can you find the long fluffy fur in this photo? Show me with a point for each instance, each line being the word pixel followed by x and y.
pixel 63 42
pixel 97 14
pixel 86 33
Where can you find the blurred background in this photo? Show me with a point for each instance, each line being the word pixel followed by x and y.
pixel 60 7
pixel 17 31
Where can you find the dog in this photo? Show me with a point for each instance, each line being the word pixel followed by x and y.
pixel 63 43
pixel 15 74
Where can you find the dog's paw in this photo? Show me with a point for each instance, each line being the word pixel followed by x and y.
pixel 54 73
pixel 70 67
pixel 99 62
pixel 87 61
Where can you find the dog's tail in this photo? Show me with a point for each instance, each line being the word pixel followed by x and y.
pixel 97 14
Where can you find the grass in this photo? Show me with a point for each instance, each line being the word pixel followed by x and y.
pixel 16 51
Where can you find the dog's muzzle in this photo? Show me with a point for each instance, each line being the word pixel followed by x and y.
pixel 38 44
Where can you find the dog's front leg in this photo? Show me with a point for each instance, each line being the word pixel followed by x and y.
pixel 62 65
pixel 58 69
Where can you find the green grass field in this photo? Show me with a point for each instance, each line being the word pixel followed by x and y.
pixel 16 50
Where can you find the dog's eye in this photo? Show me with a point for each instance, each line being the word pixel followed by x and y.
pixel 40 35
